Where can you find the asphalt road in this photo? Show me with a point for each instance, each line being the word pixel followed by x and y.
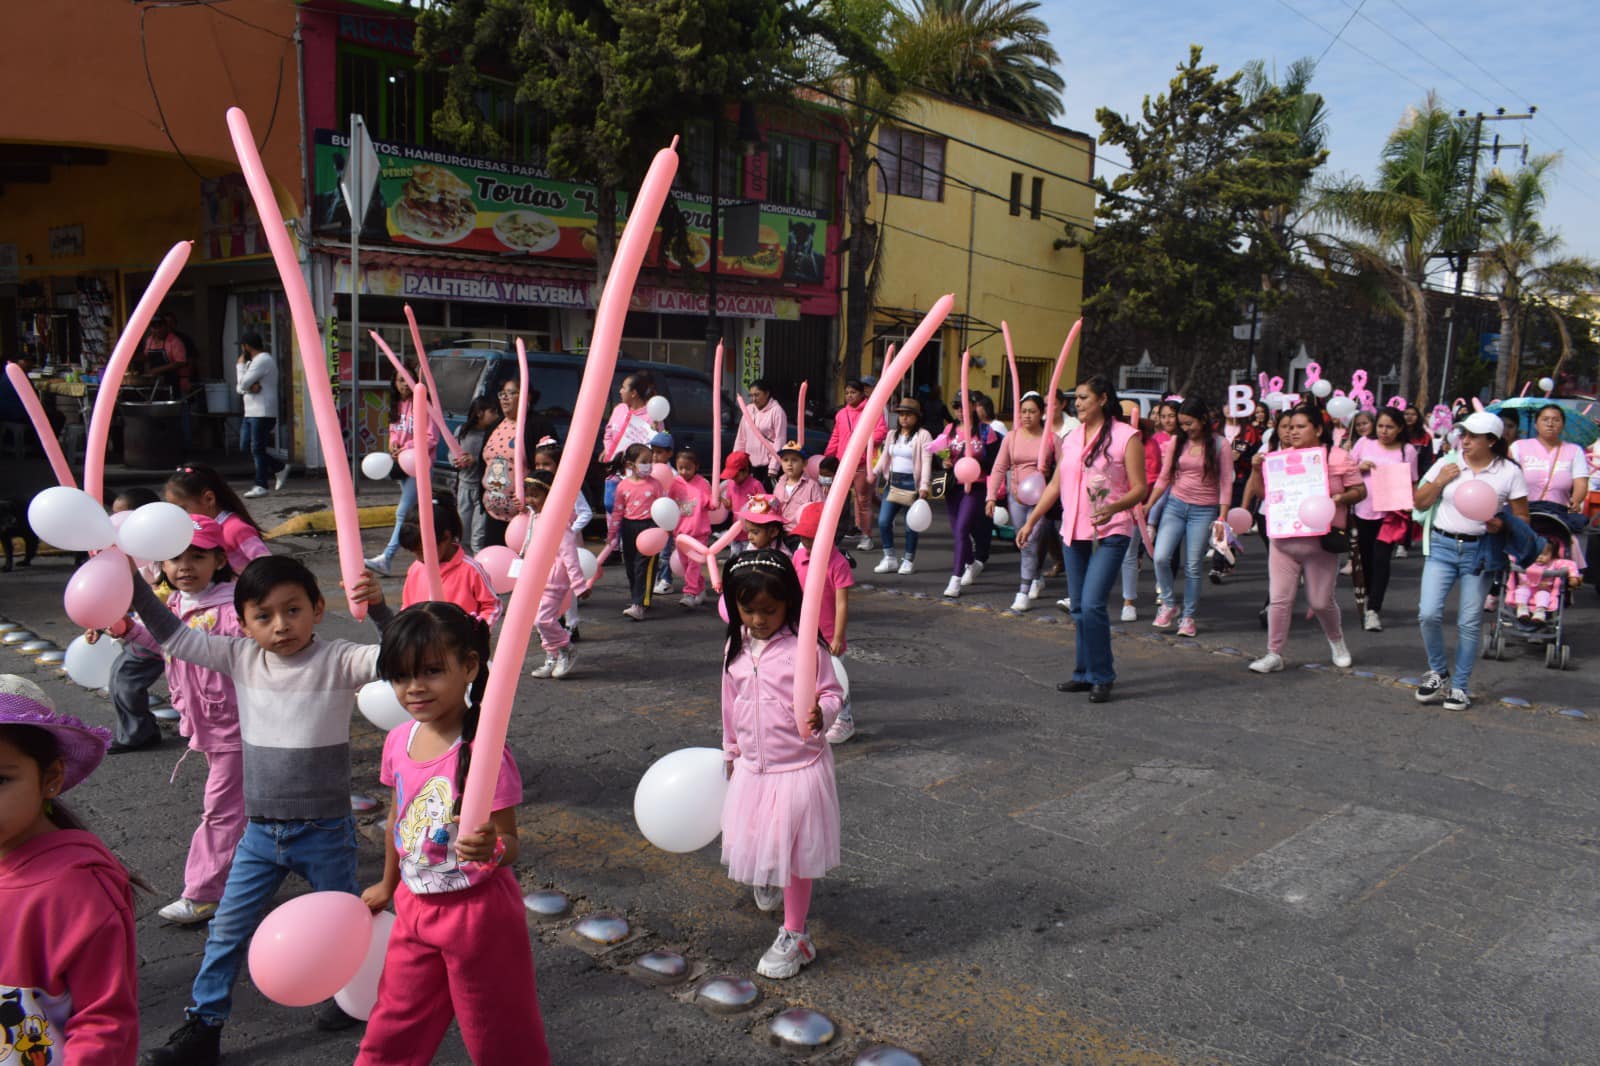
pixel 1213 867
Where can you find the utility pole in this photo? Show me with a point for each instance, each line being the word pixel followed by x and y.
pixel 1460 257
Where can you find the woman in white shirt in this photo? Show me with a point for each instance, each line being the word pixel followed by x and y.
pixel 906 460
pixel 1451 545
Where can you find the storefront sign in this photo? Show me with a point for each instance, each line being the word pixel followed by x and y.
pixel 66 241
pixel 437 199
pixel 729 305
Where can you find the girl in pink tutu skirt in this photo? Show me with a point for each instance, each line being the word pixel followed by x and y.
pixel 780 822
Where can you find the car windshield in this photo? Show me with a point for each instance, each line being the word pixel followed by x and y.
pixel 457 378
pixel 558 390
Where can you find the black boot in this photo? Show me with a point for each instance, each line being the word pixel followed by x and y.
pixel 194 1043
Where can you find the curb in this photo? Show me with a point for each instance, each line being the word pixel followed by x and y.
pixel 324 522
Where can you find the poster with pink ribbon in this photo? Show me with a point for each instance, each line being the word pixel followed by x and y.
pixel 1292 477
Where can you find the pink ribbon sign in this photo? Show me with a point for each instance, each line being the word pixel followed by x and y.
pixel 1047 438
pixel 512 648
pixel 41 425
pixel 422 459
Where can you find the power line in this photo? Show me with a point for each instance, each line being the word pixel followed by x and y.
pixel 983 255
pixel 1369 56
pixel 1446 71
pixel 1351 18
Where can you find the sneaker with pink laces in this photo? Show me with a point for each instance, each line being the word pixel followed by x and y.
pixel 1186 628
pixel 1165 617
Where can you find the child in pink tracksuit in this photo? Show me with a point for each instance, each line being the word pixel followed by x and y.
pixel 459 946
pixel 693 494
pixel 738 485
pixel 1539 586
pixel 566 582
pixel 630 516
pixel 209 712
pixel 780 820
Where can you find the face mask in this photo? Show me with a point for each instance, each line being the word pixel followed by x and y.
pixel 825 481
pixel 643 467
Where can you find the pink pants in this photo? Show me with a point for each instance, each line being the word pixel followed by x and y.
pixel 861 495
pixel 552 634
pixel 221 825
pixel 462 955
pixel 1536 587
pixel 1287 559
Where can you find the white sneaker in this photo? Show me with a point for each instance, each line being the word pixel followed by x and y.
pixel 663 587
pixel 888 564
pixel 691 600
pixel 908 565
pixel 282 478
pixel 786 955
pixel 1065 603
pixel 1130 612
pixel 378 565
pixel 634 611
pixel 564 664
pixel 970 574
pixel 256 492
pixel 843 727
pixel 1400 551
pixel 1021 602
pixel 1339 652
pixel 546 670
pixel 1432 688
pixel 1458 700
pixel 864 544
pixel 187 912
pixel 1036 589
pixel 1371 623
pixel 768 897
pixel 953 589
pixel 1269 663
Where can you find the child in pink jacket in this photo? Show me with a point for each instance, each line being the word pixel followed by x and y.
pixel 566 581
pixel 693 494
pixel 209 717
pixel 630 516
pixel 1537 591
pixel 780 820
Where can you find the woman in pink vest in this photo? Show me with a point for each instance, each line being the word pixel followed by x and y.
pixel 844 424
pixel 1099 479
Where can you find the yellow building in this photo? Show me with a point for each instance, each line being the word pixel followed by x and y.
pixel 971 202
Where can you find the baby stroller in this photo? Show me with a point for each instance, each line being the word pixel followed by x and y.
pixel 1547 625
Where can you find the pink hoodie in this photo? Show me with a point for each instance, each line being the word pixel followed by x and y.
pixel 844 424
pixel 758 726
pixel 204 697
pixel 694 503
pixel 67 959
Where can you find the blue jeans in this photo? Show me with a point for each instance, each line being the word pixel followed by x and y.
pixel 1190 523
pixel 887 513
pixel 254 435
pixel 1091 572
pixel 323 852
pixel 408 503
pixel 1450 564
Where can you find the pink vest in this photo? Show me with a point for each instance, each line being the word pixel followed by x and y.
pixel 1083 490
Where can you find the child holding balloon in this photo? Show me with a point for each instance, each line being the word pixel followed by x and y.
pixel 459 947
pixel 466 583
pixel 780 821
pixel 566 581
pixel 630 516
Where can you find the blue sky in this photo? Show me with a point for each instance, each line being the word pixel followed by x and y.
pixel 1115 54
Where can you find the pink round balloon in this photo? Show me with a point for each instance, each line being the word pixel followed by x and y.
pixel 310 947
pixel 814 467
pixel 517 532
pixel 1317 511
pixel 718 515
pixel 1240 521
pixel 408 462
pixel 1030 489
pixel 101 591
pixel 663 473
pixel 1476 500
pixel 968 470
pixel 651 541
pixel 676 563
pixel 496 561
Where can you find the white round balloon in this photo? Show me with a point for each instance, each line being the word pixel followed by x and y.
pixel 156 531
pixel 90 665
pixel 665 513
pixel 1322 388
pixel 589 563
pixel 381 706
pixel 844 678
pixel 1547 384
pixel 658 408
pixel 71 519
pixel 359 996
pixel 919 516
pixel 1343 408
pixel 377 465
pixel 678 804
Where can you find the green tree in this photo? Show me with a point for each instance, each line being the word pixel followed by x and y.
pixel 1301 125
pixel 1184 235
pixel 1400 226
pixel 990 52
pixel 1521 260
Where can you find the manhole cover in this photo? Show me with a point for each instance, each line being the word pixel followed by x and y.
pixel 728 994
pixel 887 1056
pixel 547 903
pixel 602 929
pixel 801 1028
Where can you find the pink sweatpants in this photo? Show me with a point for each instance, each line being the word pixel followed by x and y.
pixel 552 634
pixel 1537 588
pixel 462 955
pixel 1287 559
pixel 861 495
pixel 221 825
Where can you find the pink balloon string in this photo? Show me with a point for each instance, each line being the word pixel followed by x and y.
pixel 94 453
pixel 436 411
pixel 800 415
pixel 313 359
pixel 512 648
pixel 1047 438
pixel 519 458
pixel 41 425
pixel 1016 382
pixel 716 425
pixel 422 459
pixel 805 665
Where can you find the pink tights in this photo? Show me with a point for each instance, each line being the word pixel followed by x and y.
pixel 1287 559
pixel 796 903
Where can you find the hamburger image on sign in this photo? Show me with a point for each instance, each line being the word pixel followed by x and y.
pixel 435 206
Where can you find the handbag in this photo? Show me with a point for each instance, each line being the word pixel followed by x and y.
pixel 1335 541
pixel 939 485
pixel 901 497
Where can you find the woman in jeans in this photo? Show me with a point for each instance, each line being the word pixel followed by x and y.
pixel 1454 547
pixel 1019 457
pixel 1375 547
pixel 1099 479
pixel 1197 471
pixel 906 461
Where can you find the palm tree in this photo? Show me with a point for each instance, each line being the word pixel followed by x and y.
pixel 1519 258
pixel 1416 210
pixel 1301 127
pixel 990 52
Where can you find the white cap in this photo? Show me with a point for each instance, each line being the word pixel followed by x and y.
pixel 1482 424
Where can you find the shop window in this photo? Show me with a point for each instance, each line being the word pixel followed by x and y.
pixel 694 168
pixel 802 173
pixel 399 102
pixel 912 164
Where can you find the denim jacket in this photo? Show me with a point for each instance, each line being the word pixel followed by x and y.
pixel 1515 538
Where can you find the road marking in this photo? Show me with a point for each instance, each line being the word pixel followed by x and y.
pixel 1343 857
pixel 1102 813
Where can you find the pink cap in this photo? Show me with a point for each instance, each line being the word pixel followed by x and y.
pixel 207 533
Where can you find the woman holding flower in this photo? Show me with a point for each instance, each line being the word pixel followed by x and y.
pixel 1099 478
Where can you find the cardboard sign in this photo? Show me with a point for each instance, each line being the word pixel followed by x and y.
pixel 1291 477
pixel 1389 487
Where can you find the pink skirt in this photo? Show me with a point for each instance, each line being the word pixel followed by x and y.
pixel 776 826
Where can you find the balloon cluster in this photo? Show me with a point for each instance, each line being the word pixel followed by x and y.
pixel 101 591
